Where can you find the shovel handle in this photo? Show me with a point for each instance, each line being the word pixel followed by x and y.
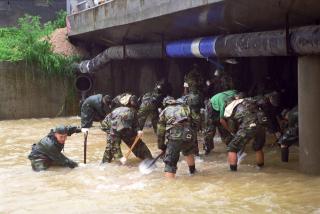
pixel 155 160
pixel 133 145
pixel 85 148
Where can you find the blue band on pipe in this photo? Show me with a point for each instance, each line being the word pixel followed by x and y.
pixel 207 47
pixel 200 47
pixel 180 48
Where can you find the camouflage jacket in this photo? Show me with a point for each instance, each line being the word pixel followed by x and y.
pixel 49 148
pixel 247 114
pixel 172 116
pixel 119 119
pixel 95 102
pixel 151 100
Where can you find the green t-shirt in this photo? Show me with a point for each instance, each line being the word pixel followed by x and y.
pixel 218 101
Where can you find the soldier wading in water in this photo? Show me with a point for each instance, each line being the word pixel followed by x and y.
pixel 177 124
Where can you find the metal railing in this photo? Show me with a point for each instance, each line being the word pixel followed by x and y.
pixel 76 6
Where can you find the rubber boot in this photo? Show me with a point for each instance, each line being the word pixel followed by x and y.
pixel 285 154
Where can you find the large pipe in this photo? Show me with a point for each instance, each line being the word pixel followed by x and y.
pixel 302 41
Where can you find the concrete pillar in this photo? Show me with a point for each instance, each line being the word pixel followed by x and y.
pixel 309 113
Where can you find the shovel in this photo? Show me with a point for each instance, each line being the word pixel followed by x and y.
pixel 148 165
pixel 85 147
pixel 124 159
pixel 240 156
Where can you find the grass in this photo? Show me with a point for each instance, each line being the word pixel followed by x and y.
pixel 27 43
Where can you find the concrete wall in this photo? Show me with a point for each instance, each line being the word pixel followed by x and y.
pixel 140 76
pixel 11 10
pixel 25 93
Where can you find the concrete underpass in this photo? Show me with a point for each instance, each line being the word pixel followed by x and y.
pixel 293 71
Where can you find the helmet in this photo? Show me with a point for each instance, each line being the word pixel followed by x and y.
pixel 107 99
pixel 168 100
pixel 60 129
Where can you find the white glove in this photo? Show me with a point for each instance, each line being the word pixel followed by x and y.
pixel 140 132
pixel 84 130
pixel 185 85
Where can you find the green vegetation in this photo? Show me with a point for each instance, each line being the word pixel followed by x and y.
pixel 29 42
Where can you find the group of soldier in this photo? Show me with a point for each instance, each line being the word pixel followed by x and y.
pixel 177 123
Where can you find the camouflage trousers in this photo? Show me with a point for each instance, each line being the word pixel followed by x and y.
pixel 210 132
pixel 172 155
pixel 244 135
pixel 143 114
pixel 41 162
pixel 113 149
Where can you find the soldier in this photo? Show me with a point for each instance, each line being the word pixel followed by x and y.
pixel 150 103
pixel 122 124
pixel 291 134
pixel 177 124
pixel 214 119
pixel 47 152
pixel 193 81
pixel 94 108
pixel 250 121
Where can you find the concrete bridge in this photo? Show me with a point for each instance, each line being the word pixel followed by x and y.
pixel 247 26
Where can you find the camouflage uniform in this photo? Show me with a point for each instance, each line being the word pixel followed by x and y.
pixel 176 123
pixel 249 119
pixel 194 101
pixel 93 109
pixel 150 103
pixel 291 134
pixel 122 124
pixel 47 152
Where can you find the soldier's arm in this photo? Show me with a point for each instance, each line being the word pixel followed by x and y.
pixel 135 125
pixel 195 118
pixel 73 129
pixel 161 131
pixel 105 124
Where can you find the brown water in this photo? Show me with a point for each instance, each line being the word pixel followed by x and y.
pixel 111 188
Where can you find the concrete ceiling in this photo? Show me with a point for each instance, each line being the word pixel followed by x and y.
pixel 220 17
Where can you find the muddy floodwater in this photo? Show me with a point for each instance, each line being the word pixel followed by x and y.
pixel 112 188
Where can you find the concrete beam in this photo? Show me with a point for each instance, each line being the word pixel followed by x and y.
pixel 122 12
